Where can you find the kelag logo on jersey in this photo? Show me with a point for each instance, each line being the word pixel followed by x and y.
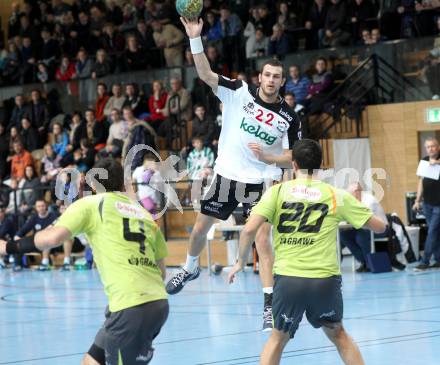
pixel 257 132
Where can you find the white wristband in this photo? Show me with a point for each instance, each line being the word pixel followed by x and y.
pixel 196 45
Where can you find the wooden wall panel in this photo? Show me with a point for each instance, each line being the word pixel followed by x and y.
pixel 393 133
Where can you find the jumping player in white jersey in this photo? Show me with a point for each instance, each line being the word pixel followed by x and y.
pixel 258 131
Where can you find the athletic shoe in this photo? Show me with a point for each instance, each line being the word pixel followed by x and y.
pixel 363 268
pixel 267 318
pixel 435 266
pixel 398 265
pixel 66 267
pixel 44 268
pixel 421 267
pixel 179 280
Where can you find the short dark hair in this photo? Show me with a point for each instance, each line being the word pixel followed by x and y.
pixel 102 84
pixel 289 93
pixel 199 105
pixel 322 59
pixel 307 153
pixel 115 180
pixel 273 62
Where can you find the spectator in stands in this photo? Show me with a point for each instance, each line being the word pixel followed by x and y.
pixel 50 166
pixel 14 197
pixel 29 60
pixel 212 32
pixel 253 23
pixel 266 20
pixel 231 42
pixel 358 241
pixel 116 101
pixel 257 45
pixel 20 160
pixel 428 192
pixel 366 39
pixel 169 38
pixel 114 12
pixel 376 36
pixel 430 72
pixel 66 71
pixel 97 132
pixel 134 100
pixel 18 112
pixel 83 65
pixel 144 35
pixel 335 33
pixel 112 41
pixel 129 18
pixel 84 157
pixel 38 114
pixel 118 133
pixel 4 151
pixel 203 126
pixel 60 139
pixel 43 73
pixel 139 132
pixel 177 110
pixel 359 12
pixel 156 104
pixel 78 131
pixel 406 10
pixel 389 18
pixel 101 101
pixel 278 42
pixel 50 49
pixel 38 221
pixel 426 17
pixel 297 84
pixel 14 136
pixel 14 20
pixel 31 190
pixel 29 136
pixel 200 160
pixel 102 66
pixel 26 28
pixel 290 99
pixel 12 63
pixel 134 59
pixel 321 84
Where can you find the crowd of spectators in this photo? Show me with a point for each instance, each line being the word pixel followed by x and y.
pixel 50 39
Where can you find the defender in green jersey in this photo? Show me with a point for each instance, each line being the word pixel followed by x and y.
pixel 305 214
pixel 129 251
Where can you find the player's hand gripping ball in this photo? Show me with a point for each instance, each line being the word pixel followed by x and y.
pixel 189 9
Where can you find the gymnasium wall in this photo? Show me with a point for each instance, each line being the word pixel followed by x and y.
pixel 394 131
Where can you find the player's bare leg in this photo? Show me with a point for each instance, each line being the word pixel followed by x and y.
pixel 274 347
pixel 197 242
pixel 266 260
pixel 347 348
pixel 88 360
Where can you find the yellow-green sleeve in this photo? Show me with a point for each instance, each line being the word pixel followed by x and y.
pixel 78 217
pixel 161 250
pixel 353 211
pixel 266 207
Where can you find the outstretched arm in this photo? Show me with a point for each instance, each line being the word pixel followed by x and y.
pixel 193 29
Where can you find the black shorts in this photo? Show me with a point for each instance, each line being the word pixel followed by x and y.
pixel 320 299
pixel 129 333
pixel 224 195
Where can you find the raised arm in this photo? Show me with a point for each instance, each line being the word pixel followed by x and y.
pixel 193 29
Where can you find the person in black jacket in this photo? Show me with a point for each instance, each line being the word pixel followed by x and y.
pixel 359 13
pixel 202 126
pixel 31 190
pixel 134 58
pixel 29 135
pixel 18 112
pixel 335 33
pixel 134 100
pixel 97 132
pixel 38 114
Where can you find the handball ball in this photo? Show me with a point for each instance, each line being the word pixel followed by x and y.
pixel 189 8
